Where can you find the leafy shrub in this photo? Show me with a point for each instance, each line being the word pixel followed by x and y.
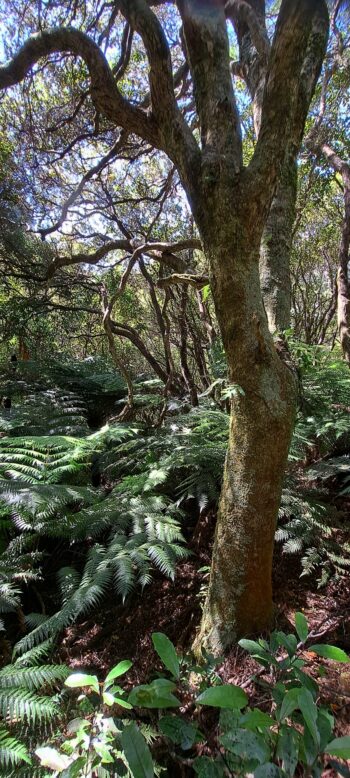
pixel 295 733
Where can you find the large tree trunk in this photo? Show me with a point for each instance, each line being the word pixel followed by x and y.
pixel 239 597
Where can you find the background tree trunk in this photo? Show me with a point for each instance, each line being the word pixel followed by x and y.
pixel 276 249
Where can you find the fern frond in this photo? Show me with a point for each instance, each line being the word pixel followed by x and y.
pixel 12 752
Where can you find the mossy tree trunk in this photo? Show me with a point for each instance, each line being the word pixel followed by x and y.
pixel 239 598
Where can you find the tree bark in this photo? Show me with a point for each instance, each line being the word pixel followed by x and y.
pixel 239 599
pixel 276 249
pixel 343 286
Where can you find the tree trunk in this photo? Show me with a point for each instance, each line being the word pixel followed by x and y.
pixel 239 598
pixel 343 287
pixel 276 250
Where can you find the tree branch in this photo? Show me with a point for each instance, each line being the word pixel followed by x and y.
pixel 285 99
pixel 104 90
pixel 87 177
pixel 207 45
pixel 246 13
pixel 184 279
pixel 178 140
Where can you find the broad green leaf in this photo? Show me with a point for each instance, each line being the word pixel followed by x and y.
pixel 75 769
pixel 256 719
pixel 325 724
pixel 137 752
pixel 289 703
pixel 226 696
pixel 309 749
pixel 108 698
pixel 80 680
pixel 104 752
pixel 157 694
pixel 179 731
pixel 306 681
pixel 248 745
pixel 308 708
pixel 289 642
pixel 301 626
pixel 330 652
pixel 77 724
pixel 288 749
pixel 116 671
pixel 166 652
pixel 258 652
pixel 123 703
pixel 339 747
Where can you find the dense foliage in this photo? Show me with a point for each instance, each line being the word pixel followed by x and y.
pixel 174 294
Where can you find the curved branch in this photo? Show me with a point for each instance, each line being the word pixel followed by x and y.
pixel 180 143
pixel 184 279
pixel 104 90
pixel 87 259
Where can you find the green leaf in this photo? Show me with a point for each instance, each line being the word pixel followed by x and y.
pixel 289 642
pixel 157 694
pixel 179 731
pixel 289 703
pixel 301 626
pixel 256 719
pixel 108 698
pixel 206 767
pixel 116 671
pixel 79 680
pixel 248 745
pixel 123 703
pixel 325 724
pixel 309 749
pixel 226 696
pixel 268 770
pixel 137 752
pixel 258 652
pixel 306 681
pixel 309 710
pixel 288 749
pixel 166 651
pixel 339 747
pixel 330 652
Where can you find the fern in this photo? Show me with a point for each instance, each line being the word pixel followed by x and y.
pixel 12 752
pixel 312 529
pixel 323 419
pixel 25 707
